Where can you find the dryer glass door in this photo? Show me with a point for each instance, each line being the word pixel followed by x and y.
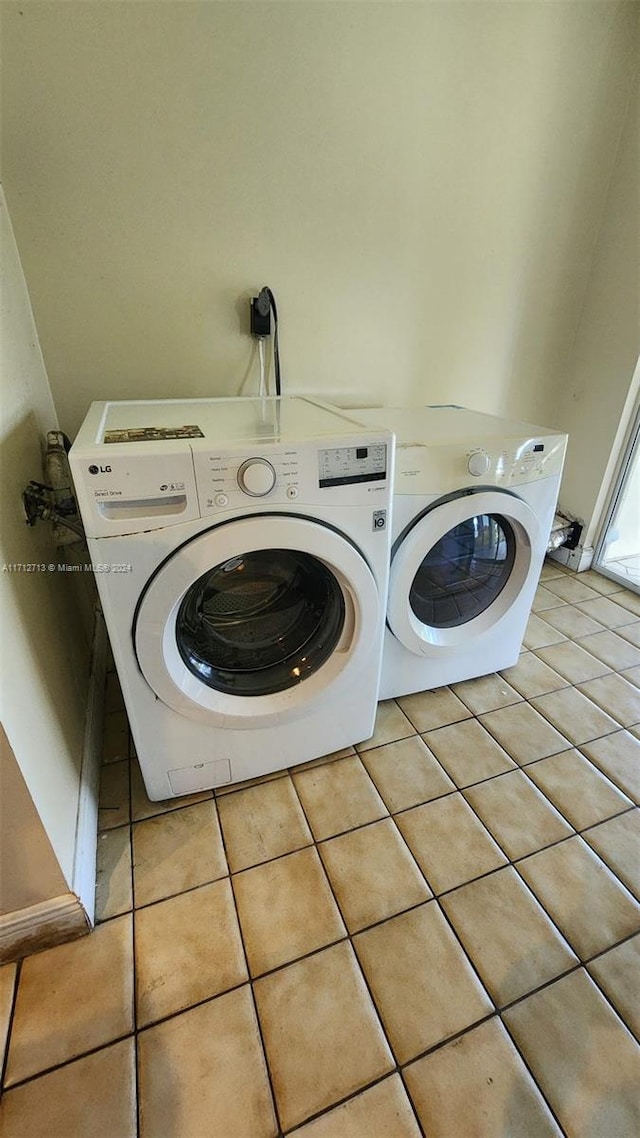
pixel 464 571
pixel 459 567
pixel 260 622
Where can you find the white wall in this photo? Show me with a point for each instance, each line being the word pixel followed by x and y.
pixel 30 870
pixel 420 183
pixel 597 398
pixel 45 663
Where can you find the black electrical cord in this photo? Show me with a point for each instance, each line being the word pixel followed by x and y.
pixel 276 348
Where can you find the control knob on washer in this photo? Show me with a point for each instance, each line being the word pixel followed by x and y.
pixel 478 464
pixel 256 477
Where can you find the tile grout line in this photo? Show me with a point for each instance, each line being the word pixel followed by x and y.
pixel 580 964
pixel 575 687
pixel 12 1013
pixel 134 962
pixel 605 773
pixel 453 723
pixel 453 931
pixel 498 1011
pixel 356 958
pixel 568 684
pixel 577 833
pixel 526 698
pixel 568 681
pixel 535 1081
pixel 348 1098
pixel 596 825
pixel 404 810
pixel 485 827
pixel 571 745
pixel 511 861
pixel 457 789
pixel 559 810
pixel 68 1062
pixel 389 742
pixel 497 1016
pixel 249 983
pixel 168 1016
pixel 552 919
pixel 603 992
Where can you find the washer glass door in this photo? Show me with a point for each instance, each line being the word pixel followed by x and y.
pixel 260 622
pixel 252 621
pixel 459 567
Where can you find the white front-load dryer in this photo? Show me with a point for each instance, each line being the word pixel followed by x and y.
pixel 241 551
pixel 474 501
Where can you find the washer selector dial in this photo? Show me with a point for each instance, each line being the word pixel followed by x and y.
pixel 478 464
pixel 256 477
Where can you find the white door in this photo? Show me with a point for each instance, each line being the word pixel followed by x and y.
pixel 248 623
pixel 458 568
pixel 618 550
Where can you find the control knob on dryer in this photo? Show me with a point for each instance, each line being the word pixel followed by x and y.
pixel 256 477
pixel 478 463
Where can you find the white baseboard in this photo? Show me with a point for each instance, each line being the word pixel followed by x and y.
pixel 41 926
pixel 84 861
pixel 70 915
pixel 578 559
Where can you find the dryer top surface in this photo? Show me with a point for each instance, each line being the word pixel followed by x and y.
pixel 446 425
pixel 443 449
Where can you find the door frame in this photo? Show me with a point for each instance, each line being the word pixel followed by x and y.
pixel 621 480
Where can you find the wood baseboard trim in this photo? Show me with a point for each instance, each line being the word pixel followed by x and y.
pixel 42 926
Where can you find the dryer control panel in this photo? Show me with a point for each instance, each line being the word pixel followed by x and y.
pixel 442 469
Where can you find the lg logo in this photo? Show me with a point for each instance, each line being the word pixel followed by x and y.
pixel 99 469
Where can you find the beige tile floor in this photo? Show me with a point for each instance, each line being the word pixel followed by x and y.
pixel 434 933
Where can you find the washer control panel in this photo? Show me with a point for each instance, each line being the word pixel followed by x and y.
pixel 256 477
pixel 280 474
pixel 227 478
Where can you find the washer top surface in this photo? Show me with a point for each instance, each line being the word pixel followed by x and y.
pixel 229 421
pixel 447 425
pixel 143 465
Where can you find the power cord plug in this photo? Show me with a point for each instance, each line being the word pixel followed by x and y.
pixel 262 306
pixel 261 314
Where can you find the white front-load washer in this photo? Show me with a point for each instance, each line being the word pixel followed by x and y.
pixel 474 501
pixel 241 552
